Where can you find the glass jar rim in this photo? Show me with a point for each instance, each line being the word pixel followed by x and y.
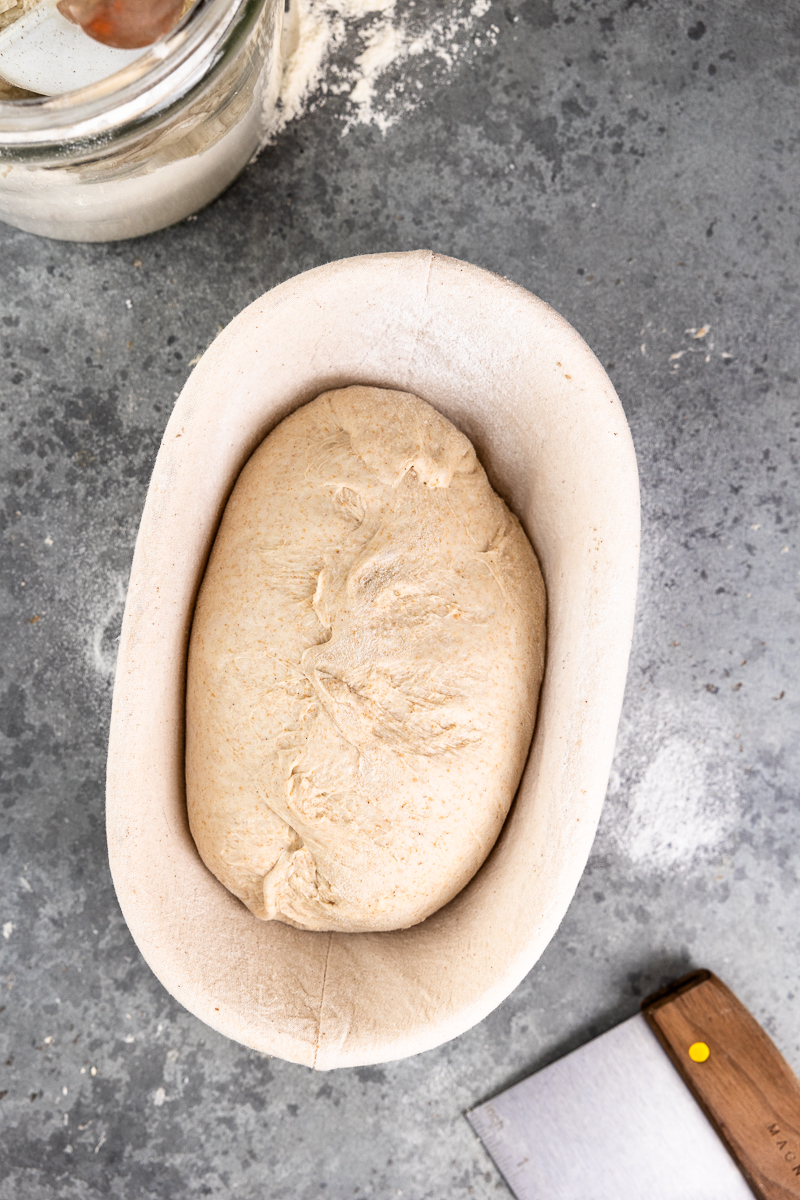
pixel 168 69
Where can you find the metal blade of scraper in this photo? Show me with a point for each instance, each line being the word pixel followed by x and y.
pixel 611 1121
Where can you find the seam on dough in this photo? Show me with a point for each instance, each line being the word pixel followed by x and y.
pixel 322 1000
pixel 421 323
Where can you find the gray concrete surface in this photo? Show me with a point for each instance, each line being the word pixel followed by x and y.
pixel 636 164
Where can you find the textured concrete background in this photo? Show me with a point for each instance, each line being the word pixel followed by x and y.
pixel 636 164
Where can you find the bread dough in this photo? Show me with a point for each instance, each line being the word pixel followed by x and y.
pixel 364 668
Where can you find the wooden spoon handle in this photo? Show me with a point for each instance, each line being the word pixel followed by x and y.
pixel 125 24
pixel 736 1074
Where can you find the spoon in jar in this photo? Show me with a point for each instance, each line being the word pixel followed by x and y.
pixel 123 24
pixel 47 50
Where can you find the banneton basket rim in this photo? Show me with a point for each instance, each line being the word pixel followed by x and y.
pixel 551 433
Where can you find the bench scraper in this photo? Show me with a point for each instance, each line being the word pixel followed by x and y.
pixel 688 1100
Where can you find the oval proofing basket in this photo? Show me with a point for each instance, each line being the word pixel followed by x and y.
pixel 548 428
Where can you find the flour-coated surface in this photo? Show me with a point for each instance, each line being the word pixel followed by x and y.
pixel 364 668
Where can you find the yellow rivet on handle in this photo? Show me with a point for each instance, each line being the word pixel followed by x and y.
pixel 699 1052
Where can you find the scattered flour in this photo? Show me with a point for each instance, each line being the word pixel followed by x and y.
pixel 376 58
pixel 104 630
pixel 678 811
pixel 674 797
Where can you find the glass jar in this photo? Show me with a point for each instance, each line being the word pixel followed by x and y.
pixel 152 143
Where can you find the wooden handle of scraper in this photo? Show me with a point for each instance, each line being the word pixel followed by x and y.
pixel 741 1082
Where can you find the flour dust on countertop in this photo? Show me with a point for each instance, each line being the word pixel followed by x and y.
pixel 678 800
pixel 372 58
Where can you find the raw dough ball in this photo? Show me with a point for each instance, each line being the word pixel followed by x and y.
pixel 364 668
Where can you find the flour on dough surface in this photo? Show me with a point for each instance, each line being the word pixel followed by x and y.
pixel 364 668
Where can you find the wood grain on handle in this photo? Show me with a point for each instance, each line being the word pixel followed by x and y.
pixel 745 1088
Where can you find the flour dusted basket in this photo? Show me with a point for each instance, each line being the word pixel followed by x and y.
pixel 548 428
